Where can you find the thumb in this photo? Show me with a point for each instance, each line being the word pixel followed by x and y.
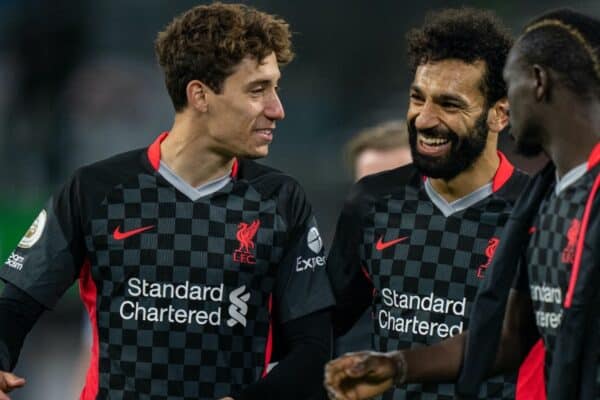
pixel 12 381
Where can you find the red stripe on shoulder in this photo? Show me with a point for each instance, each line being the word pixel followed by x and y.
pixel 154 151
pixel 580 241
pixel 503 173
pixel 594 157
pixel 88 293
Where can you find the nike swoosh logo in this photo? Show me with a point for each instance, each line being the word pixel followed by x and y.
pixel 380 245
pixel 118 235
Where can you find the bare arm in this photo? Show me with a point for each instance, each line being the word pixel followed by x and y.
pixel 366 374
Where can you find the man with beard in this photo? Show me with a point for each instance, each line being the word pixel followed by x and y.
pixel 552 235
pixel 416 241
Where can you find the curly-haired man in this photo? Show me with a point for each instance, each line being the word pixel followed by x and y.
pixel 416 242
pixel 198 266
pixel 551 239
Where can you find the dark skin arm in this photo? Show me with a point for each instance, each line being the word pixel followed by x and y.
pixel 366 374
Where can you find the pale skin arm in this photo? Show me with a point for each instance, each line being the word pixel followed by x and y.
pixel 363 375
pixel 9 382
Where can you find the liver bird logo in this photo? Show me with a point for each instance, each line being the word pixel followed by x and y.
pixel 489 252
pixel 245 234
pixel 568 254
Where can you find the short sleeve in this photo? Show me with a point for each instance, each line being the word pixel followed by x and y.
pixel 302 283
pixel 46 261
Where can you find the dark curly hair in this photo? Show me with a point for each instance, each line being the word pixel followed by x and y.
pixel 465 34
pixel 567 42
pixel 208 41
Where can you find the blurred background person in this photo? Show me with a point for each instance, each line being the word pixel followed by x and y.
pixel 372 150
pixel 379 148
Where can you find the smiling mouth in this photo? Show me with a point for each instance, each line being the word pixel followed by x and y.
pixel 433 146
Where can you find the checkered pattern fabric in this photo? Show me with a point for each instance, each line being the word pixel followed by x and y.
pixel 425 284
pixel 550 256
pixel 182 293
pixel 190 242
pixel 425 267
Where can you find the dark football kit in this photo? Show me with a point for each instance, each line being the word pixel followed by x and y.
pixel 424 259
pixel 550 267
pixel 184 290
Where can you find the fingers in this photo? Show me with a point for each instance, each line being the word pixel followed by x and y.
pixel 9 382
pixel 339 370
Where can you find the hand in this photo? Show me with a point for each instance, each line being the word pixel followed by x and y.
pixel 9 382
pixel 362 375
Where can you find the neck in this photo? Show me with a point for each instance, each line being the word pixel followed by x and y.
pixel 477 175
pixel 187 151
pixel 570 140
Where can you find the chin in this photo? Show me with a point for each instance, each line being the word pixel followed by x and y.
pixel 256 153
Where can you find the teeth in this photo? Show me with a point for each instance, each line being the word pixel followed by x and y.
pixel 433 141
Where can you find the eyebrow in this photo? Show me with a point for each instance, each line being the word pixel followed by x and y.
pixel 444 97
pixel 259 82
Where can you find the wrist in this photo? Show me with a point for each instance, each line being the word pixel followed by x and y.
pixel 400 366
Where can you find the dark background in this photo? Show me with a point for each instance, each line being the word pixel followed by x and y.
pixel 78 82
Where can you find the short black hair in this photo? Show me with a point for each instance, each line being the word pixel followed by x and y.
pixel 567 42
pixel 466 34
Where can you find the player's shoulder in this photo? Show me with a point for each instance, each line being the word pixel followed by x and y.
pixel 514 185
pixel 266 180
pixel 385 183
pixel 112 171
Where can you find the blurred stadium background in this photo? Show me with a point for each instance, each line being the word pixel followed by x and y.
pixel 78 82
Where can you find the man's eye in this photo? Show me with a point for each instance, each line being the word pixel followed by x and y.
pixel 450 105
pixel 257 90
pixel 416 97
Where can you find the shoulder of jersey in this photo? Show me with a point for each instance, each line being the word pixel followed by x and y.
pixel 387 182
pixel 265 179
pixel 105 174
pixel 515 185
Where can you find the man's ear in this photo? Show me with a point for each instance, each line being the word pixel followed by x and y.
pixel 196 93
pixel 498 116
pixel 542 82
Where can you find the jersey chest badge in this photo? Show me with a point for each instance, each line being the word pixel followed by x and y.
pixel 489 252
pixel 245 235
pixel 568 254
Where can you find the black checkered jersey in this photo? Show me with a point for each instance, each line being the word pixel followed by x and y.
pixel 425 265
pixel 551 254
pixel 184 296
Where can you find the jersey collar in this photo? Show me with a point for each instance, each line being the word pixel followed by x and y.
pixel 154 155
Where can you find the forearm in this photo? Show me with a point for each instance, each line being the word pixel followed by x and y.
pixel 519 333
pixel 300 373
pixel 18 314
pixel 436 363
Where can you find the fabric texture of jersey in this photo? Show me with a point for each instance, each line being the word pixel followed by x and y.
pixel 183 295
pixel 559 260
pixel 574 373
pixel 425 267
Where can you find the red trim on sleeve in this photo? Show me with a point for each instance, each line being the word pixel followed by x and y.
pixel 88 293
pixel 503 173
pixel 269 345
pixel 154 150
pixel 594 157
pixel 580 241
pixel 530 381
